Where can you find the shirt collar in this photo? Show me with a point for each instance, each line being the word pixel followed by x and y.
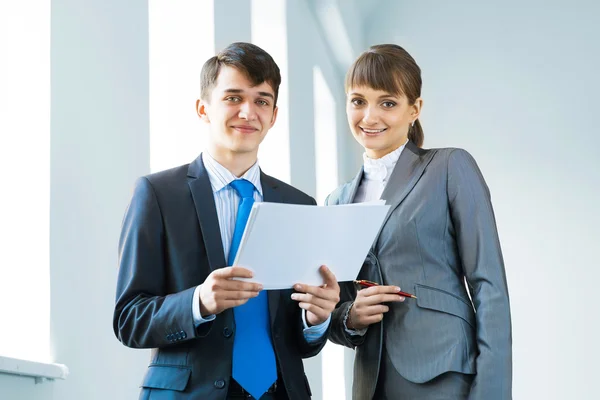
pixel 378 168
pixel 221 177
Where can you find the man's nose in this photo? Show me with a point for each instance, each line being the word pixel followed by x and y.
pixel 247 111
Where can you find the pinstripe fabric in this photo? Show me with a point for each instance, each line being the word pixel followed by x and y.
pixel 226 199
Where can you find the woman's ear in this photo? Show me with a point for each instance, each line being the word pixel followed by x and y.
pixel 416 109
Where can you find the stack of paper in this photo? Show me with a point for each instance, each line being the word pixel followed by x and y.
pixel 284 244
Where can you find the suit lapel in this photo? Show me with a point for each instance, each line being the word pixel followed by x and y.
pixel 349 190
pixel 206 211
pixel 406 174
pixel 270 189
pixel 271 194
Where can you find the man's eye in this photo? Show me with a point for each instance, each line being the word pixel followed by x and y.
pixel 233 99
pixel 262 103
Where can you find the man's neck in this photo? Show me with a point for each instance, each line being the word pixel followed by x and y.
pixel 236 163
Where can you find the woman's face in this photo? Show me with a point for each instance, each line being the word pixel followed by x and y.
pixel 380 120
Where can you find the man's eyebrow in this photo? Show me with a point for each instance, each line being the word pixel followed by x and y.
pixel 238 91
pixel 266 94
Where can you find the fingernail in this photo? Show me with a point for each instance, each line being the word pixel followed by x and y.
pixel 294 296
pixel 297 287
pixel 397 289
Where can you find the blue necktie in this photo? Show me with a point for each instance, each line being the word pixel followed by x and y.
pixel 254 366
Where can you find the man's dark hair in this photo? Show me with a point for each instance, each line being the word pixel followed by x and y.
pixel 251 60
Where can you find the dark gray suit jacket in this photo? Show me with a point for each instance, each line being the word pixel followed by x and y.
pixel 440 230
pixel 170 242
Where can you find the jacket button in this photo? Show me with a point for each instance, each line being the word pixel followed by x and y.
pixel 227 332
pixel 220 384
pixel 183 334
pixel 178 336
pixel 169 337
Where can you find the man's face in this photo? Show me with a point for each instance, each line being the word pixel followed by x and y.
pixel 238 113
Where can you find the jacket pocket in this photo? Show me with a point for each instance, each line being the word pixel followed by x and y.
pixel 166 377
pixel 441 300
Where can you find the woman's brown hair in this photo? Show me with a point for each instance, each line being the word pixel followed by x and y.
pixel 390 68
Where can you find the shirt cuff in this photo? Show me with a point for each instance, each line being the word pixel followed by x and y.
pixel 314 333
pixel 196 314
pixel 353 332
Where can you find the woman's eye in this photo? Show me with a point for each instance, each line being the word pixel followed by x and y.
pixel 388 104
pixel 357 102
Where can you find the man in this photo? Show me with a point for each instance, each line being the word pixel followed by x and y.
pixel 214 337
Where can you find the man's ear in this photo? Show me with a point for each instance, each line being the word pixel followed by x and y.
pixel 201 110
pixel 274 117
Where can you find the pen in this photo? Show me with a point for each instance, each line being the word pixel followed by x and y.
pixel 365 283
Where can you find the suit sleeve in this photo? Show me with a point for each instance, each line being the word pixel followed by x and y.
pixel 338 334
pixel 307 349
pixel 145 316
pixel 483 265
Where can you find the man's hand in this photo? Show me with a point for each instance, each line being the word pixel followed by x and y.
pixel 220 292
pixel 318 301
pixel 368 307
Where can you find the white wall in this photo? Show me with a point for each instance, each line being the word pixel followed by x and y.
pixel 99 144
pixel 14 387
pixel 516 83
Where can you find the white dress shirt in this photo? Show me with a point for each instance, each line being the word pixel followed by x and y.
pixel 377 172
pixel 227 201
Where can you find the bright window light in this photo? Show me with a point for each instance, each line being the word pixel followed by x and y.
pixel 334 386
pixel 269 32
pixel 181 39
pixel 25 177
pixel 325 137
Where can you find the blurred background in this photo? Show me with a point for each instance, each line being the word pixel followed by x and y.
pixel 95 93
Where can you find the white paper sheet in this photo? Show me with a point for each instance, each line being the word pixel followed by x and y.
pixel 284 244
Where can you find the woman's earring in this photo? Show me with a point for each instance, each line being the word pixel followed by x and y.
pixel 413 124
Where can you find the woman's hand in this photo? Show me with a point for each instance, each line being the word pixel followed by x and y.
pixel 369 307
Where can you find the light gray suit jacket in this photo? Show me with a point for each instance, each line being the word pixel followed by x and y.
pixel 439 230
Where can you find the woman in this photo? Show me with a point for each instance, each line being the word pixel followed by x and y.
pixel 439 232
